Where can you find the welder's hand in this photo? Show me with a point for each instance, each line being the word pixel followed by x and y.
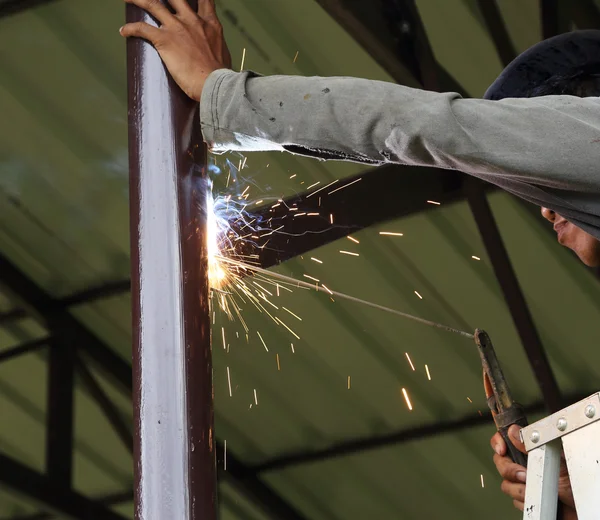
pixel 190 43
pixel 514 475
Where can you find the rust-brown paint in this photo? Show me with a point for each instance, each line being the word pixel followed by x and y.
pixel 174 438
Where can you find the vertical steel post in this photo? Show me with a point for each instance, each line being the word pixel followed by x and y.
pixel 173 399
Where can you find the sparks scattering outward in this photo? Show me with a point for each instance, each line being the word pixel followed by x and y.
pixel 349 253
pixel 475 257
pixel 263 341
pixel 409 360
pixel 278 365
pixel 428 374
pixel 407 399
pixel 255 398
pixel 433 202
pixel 229 382
pixel 482 484
pixel 243 59
pixel 316 260
pixel 345 186
pixel 421 297
pixel 296 57
pixel 331 218
pixel 469 399
pixel 348 382
pixel 391 234
pixel 353 239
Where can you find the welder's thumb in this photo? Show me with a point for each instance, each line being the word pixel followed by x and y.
pixel 515 438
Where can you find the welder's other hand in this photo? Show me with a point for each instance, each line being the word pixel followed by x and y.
pixel 515 475
pixel 190 43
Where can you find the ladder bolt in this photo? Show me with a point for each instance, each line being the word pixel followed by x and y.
pixel 561 424
pixel 590 411
pixel 535 436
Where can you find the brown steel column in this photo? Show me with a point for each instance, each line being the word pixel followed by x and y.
pixel 173 399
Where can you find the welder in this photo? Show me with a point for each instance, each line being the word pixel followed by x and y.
pixel 536 134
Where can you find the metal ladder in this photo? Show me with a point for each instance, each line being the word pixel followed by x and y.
pixel 577 427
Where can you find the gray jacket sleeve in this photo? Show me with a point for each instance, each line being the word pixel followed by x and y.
pixel 551 144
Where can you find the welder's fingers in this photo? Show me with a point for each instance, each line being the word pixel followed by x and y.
pixel 513 490
pixel 207 10
pixel 156 8
pixel 509 470
pixel 513 433
pixel 181 7
pixel 519 505
pixel 141 30
pixel 498 445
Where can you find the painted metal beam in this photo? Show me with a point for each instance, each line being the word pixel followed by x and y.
pixel 40 488
pixel 513 295
pixel 384 29
pixel 365 444
pixel 60 413
pixel 24 348
pixel 406 190
pixel 11 7
pixel 108 408
pixel 175 445
pixel 494 21
pixel 93 294
pixel 63 326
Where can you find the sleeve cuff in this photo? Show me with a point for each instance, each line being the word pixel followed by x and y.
pixel 209 117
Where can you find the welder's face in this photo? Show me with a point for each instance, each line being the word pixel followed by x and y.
pixel 585 246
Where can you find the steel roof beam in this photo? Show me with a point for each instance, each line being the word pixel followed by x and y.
pixel 62 325
pixel 365 444
pixel 60 412
pixel 496 26
pixel 511 289
pixel 47 491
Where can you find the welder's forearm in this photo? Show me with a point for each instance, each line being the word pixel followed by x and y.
pixel 548 142
pixel 331 118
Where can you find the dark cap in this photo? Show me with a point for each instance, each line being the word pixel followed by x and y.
pixel 566 55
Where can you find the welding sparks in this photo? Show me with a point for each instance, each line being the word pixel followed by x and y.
pixel 475 257
pixel 293 351
pixel 223 333
pixel 482 484
pixel 321 189
pixel 345 186
pixel 311 278
pixel 229 382
pixel 331 218
pixel 313 185
pixel 409 360
pixel 418 295
pixel 278 365
pixel 469 399
pixel 293 176
pixel 327 289
pixel 243 59
pixel 433 202
pixel 407 399
pixel 225 455
pixel 391 234
pixel 294 315
pixel 428 374
pixel 263 341
pixel 349 253
pixel 353 239
pixel 255 398
pixel 316 260
pixel 296 57
pixel 348 382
